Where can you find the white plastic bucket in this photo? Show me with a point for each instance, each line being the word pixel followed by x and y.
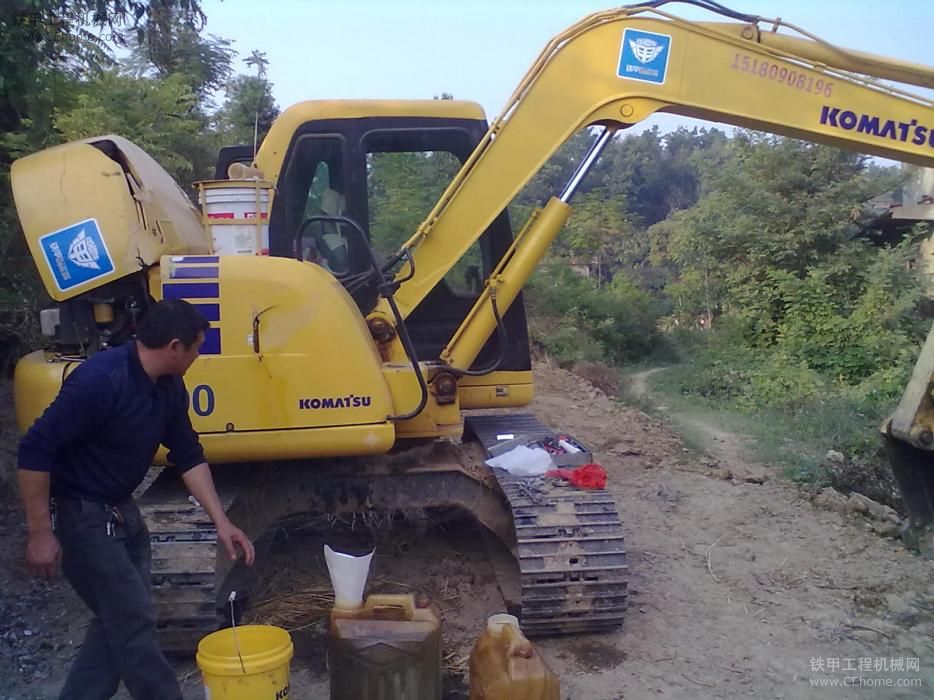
pixel 229 206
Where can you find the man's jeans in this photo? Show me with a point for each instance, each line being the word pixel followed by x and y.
pixel 108 564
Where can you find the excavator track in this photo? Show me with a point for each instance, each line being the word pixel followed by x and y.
pixel 569 543
pixel 184 564
pixel 569 547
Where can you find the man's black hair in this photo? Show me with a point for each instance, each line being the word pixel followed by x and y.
pixel 170 319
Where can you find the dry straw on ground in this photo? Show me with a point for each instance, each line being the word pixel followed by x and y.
pixel 296 594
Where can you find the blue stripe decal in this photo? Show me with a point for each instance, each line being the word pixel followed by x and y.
pixel 197 259
pixel 191 290
pixel 212 342
pixel 193 273
pixel 212 312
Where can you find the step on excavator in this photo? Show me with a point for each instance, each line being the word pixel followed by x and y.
pixel 343 367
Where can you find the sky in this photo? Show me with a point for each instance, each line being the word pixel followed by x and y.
pixel 480 49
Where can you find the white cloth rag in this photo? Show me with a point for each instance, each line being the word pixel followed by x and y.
pixel 523 461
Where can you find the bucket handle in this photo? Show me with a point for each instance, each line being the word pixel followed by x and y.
pixel 383 602
pixel 233 623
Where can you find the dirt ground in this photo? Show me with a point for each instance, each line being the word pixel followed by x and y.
pixel 737 589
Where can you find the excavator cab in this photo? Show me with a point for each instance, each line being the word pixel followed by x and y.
pixel 386 173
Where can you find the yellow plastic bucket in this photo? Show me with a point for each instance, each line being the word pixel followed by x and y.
pixel 264 674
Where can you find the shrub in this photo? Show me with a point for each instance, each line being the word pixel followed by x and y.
pixel 574 320
pixel 782 383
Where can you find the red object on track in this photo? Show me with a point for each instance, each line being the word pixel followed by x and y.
pixel 587 476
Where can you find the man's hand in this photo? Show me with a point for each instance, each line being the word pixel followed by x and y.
pixel 43 554
pixel 199 481
pixel 231 537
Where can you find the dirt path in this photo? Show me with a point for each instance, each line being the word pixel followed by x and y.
pixel 728 448
pixel 639 384
pixel 737 589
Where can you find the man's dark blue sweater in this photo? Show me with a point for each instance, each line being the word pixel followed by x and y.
pixel 98 437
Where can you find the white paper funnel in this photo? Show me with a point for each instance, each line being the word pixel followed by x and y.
pixel 348 577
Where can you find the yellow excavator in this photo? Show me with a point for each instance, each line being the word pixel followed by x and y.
pixel 341 384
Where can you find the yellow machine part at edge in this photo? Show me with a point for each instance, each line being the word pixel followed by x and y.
pixel 138 209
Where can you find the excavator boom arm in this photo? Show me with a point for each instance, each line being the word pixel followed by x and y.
pixel 619 67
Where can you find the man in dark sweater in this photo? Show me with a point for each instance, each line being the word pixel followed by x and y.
pixel 89 450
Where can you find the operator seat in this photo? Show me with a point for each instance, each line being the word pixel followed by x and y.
pixel 332 245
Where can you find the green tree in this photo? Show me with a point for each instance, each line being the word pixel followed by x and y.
pixel 249 108
pixel 655 174
pixel 174 46
pixel 639 181
pixel 598 234
pixel 776 244
pixel 773 204
pixel 174 51
pixel 159 115
pixel 68 37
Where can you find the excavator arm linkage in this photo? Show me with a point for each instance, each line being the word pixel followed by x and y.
pixel 615 69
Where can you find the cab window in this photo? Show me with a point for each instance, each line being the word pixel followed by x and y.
pixel 407 172
pixel 316 187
